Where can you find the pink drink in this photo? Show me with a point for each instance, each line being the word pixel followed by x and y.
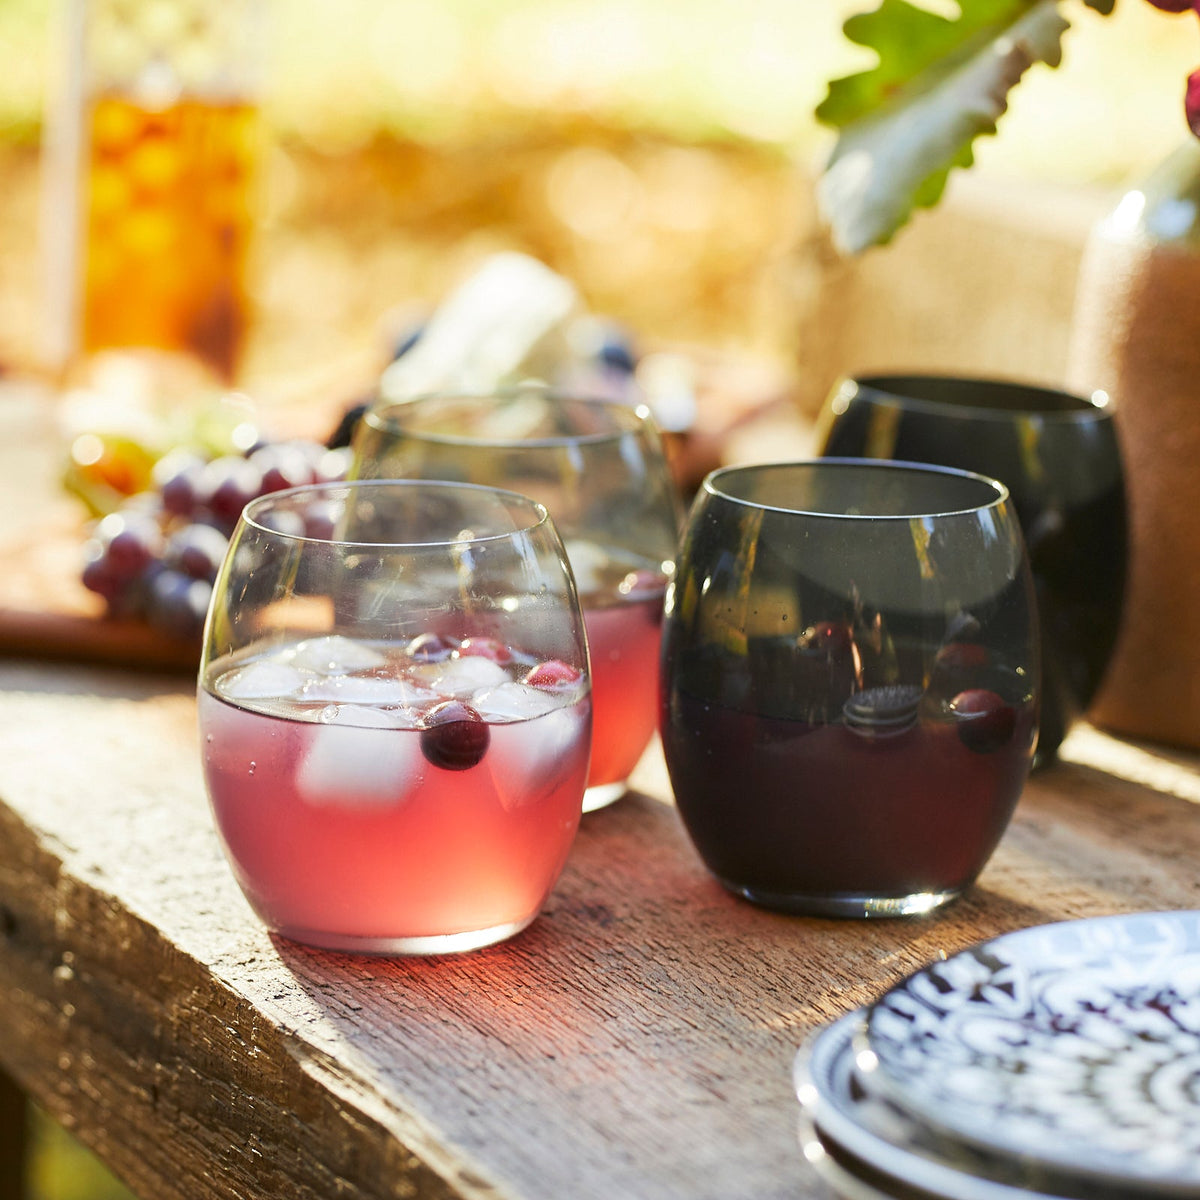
pixel 354 822
pixel 622 601
pixel 623 642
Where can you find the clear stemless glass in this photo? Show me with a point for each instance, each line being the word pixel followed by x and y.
pixel 1057 453
pixel 599 469
pixel 395 712
pixel 850 680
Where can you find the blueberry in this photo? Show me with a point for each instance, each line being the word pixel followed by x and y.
pixel 454 736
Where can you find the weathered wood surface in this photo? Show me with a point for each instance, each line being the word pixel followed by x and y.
pixel 635 1042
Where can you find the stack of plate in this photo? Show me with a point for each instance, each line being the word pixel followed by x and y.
pixel 1061 1061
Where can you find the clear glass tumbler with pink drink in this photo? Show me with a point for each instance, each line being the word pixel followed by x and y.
pixel 395 712
pixel 599 468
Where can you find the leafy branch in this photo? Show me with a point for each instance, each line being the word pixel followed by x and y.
pixel 907 122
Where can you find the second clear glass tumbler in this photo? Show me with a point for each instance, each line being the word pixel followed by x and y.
pixel 600 470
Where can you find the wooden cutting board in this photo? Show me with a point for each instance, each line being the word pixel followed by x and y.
pixel 46 612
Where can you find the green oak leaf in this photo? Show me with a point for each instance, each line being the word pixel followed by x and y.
pixel 905 123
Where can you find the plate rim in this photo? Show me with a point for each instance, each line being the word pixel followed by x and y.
pixel 814 1064
pixel 1108 1170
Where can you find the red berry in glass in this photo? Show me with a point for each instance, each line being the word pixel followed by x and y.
pixel 453 736
pixel 985 722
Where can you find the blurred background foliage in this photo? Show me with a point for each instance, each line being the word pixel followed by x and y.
pixel 656 152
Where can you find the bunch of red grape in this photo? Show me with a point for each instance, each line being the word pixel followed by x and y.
pixel 157 556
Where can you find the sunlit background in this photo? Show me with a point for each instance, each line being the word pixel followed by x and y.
pixel 658 153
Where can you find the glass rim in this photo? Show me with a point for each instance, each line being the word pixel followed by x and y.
pixel 632 418
pixel 540 515
pixel 998 490
pixel 887 385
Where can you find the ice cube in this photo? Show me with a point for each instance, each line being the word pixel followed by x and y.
pixel 353 766
pixel 335 655
pixel 458 677
pixel 528 758
pixel 263 679
pixel 367 689
pixel 513 702
pixel 400 717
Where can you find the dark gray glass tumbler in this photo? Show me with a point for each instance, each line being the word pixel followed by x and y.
pixel 1057 453
pixel 849 682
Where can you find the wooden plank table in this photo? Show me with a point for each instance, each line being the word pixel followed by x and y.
pixel 635 1042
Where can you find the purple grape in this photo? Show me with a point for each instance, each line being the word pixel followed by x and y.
pixel 178 476
pixel 98 575
pixel 134 598
pixel 283 465
pixel 229 483
pixel 131 540
pixel 197 551
pixel 177 604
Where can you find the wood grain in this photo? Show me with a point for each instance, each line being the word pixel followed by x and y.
pixel 636 1041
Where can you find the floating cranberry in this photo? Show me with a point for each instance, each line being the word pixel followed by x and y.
pixel 430 647
pixel 454 736
pixel 553 674
pixel 985 721
pixel 485 647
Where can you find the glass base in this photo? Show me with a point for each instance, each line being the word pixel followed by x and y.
pixel 842 904
pixel 603 794
pixel 445 943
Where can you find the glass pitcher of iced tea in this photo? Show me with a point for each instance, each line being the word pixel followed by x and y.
pixel 151 150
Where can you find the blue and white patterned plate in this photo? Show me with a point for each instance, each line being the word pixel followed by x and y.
pixel 1074 1045
pixel 846 1133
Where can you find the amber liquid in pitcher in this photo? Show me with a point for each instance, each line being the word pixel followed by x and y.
pixel 167 226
